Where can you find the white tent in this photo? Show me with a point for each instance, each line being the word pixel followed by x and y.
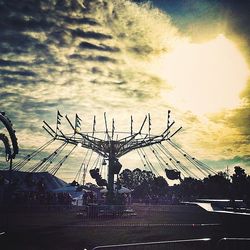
pixel 72 190
pixel 122 190
pixel 77 201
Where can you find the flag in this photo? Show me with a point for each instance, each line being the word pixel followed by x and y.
pixel 113 127
pixel 168 118
pixel 77 123
pixel 149 123
pixel 58 119
pixel 131 127
pixel 94 123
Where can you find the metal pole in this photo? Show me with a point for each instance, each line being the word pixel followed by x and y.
pixel 9 196
pixel 110 194
pixel 10 172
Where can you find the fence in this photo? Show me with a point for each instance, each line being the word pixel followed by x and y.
pixel 118 216
pixel 145 215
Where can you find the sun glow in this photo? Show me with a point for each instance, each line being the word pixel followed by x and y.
pixel 205 78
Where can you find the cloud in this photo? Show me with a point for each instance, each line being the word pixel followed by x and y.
pixel 7 63
pixel 95 56
pixel 222 164
pixel 20 24
pixel 90 34
pixel 18 73
pixel 101 47
pixel 201 20
pixel 17 42
pixel 81 20
pixel 238 118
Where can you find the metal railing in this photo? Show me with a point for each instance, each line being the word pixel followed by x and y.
pixel 233 244
pixel 168 216
pixel 157 215
pixel 188 244
pixel 204 244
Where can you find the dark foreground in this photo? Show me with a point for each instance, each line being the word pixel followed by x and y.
pixel 67 229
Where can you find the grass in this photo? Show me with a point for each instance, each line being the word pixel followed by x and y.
pixel 65 231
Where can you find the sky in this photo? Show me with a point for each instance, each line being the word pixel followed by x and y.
pixel 130 58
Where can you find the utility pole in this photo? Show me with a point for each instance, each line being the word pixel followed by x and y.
pixel 227 172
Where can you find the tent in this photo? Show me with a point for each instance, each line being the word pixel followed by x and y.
pixel 72 190
pixel 77 201
pixel 122 190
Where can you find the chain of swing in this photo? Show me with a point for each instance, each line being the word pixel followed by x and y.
pixel 169 164
pixel 21 163
pixel 45 164
pixel 167 161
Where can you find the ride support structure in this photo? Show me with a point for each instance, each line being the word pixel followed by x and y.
pixel 110 147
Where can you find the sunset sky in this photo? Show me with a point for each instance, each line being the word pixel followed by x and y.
pixel 130 58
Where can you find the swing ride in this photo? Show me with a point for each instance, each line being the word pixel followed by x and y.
pixel 110 146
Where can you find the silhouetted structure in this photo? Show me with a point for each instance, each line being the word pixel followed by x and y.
pixel 109 148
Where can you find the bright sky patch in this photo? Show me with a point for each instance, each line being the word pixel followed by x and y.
pixel 205 77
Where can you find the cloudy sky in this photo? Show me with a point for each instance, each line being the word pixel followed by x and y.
pixel 130 58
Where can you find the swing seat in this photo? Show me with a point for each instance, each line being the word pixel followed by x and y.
pixel 94 173
pixel 173 174
pixel 101 182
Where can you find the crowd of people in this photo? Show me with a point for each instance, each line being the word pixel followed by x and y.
pixel 151 190
pixel 168 199
pixel 36 198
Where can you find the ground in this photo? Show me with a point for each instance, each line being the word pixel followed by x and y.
pixel 69 230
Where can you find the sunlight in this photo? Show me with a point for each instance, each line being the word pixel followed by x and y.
pixel 204 77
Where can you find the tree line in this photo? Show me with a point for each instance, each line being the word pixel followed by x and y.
pixel 147 186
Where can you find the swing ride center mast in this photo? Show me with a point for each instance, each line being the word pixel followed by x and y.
pixel 110 148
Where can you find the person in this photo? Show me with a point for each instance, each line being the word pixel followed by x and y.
pixel 90 197
pixel 84 198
